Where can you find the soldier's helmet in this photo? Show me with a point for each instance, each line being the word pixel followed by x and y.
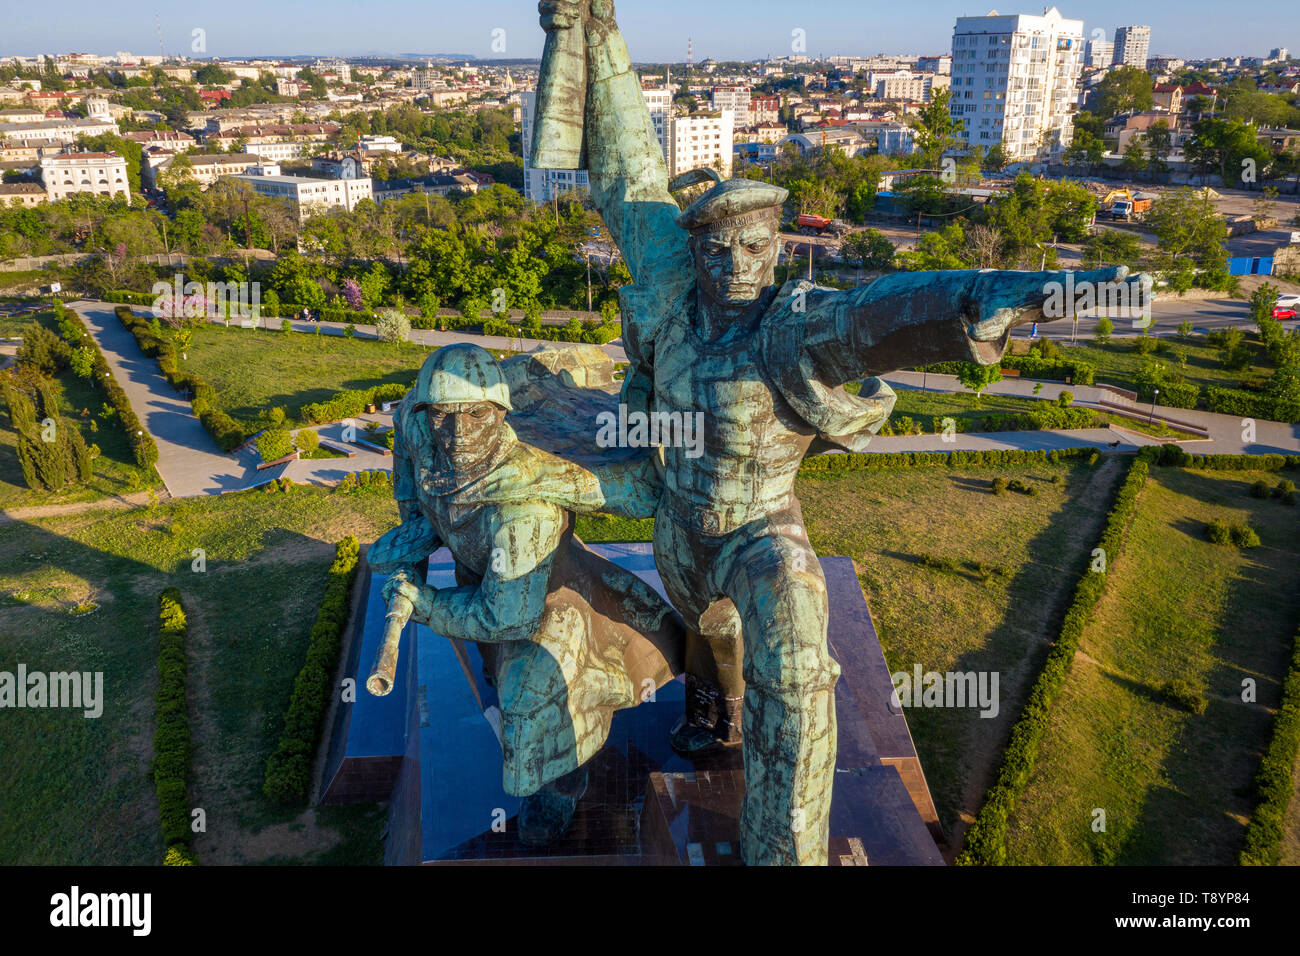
pixel 460 373
pixel 730 200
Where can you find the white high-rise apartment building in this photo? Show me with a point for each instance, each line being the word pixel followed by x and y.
pixel 1015 81
pixel 736 99
pixel 541 185
pixel 703 139
pixel 1131 46
pixel 1098 54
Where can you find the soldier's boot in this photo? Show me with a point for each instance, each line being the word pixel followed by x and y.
pixel 546 814
pixel 715 689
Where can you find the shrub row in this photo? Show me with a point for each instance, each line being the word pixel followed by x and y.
pixel 1172 394
pixel 288 771
pixel 1236 401
pixel 1031 366
pixel 171 738
pixel 955 459
pixel 143 448
pixel 1178 456
pixel 1273 780
pixel 225 431
pixel 986 840
pixel 351 403
pixel 127 297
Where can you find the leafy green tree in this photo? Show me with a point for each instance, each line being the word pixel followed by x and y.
pixel 978 377
pixel 1187 226
pixel 870 248
pixel 938 130
pixel 1125 89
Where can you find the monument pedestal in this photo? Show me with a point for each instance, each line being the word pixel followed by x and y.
pixel 431 749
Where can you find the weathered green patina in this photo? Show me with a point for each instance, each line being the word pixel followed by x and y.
pixel 567 637
pixel 706 330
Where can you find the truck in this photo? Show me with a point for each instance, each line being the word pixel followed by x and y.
pixel 1123 204
pixel 808 224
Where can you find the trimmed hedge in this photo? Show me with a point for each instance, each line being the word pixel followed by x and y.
pixel 1031 366
pixel 225 431
pixel 351 403
pixel 288 771
pixel 1273 780
pixel 1172 394
pixel 127 297
pixel 143 448
pixel 171 738
pixel 986 840
pixel 1174 455
pixel 1236 401
pixel 933 459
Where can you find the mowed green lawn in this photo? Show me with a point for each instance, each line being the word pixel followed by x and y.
pixel 116 472
pixel 253 370
pixel 79 791
pixel 1175 786
pixel 1118 361
pixel 1017 559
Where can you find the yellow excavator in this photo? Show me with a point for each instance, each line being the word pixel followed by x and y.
pixel 1123 204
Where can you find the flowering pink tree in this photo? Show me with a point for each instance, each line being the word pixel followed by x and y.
pixel 352 294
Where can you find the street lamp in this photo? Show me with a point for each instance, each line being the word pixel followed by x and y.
pixel 1155 393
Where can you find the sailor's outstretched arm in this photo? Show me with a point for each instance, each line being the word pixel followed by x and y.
pixel 918 318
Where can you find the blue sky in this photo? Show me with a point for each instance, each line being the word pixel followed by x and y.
pixel 657 29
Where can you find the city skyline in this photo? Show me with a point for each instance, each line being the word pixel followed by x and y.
pixel 507 29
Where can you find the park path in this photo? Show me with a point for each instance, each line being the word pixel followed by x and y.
pixel 436 339
pixel 190 464
pixel 1226 431
pixel 189 461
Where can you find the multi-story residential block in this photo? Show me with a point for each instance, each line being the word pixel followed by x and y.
pixel 701 139
pixel 734 98
pixel 1131 46
pixel 906 85
pixel 311 195
pixel 935 64
pixel 764 109
pixel 103 174
pixel 1015 81
pixel 1098 54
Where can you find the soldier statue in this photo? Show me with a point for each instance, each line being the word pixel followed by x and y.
pixel 707 330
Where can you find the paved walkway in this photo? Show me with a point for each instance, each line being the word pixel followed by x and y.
pixel 1227 433
pixel 190 463
pixel 437 339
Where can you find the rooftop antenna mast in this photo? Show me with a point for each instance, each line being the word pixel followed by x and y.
pixel 690 56
pixel 157 22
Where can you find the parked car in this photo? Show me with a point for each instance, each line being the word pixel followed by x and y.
pixel 1287 300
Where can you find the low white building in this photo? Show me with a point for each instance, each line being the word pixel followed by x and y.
pixel 103 174
pixel 311 195
pixel 66 131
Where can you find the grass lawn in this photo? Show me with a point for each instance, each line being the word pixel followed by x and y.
pixel 1118 361
pixel 890 521
pixel 1175 786
pixel 116 472
pixel 78 791
pixel 930 408
pixel 253 370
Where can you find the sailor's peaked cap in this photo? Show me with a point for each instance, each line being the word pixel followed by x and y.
pixel 728 199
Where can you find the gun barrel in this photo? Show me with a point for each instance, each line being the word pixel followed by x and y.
pixel 384 673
